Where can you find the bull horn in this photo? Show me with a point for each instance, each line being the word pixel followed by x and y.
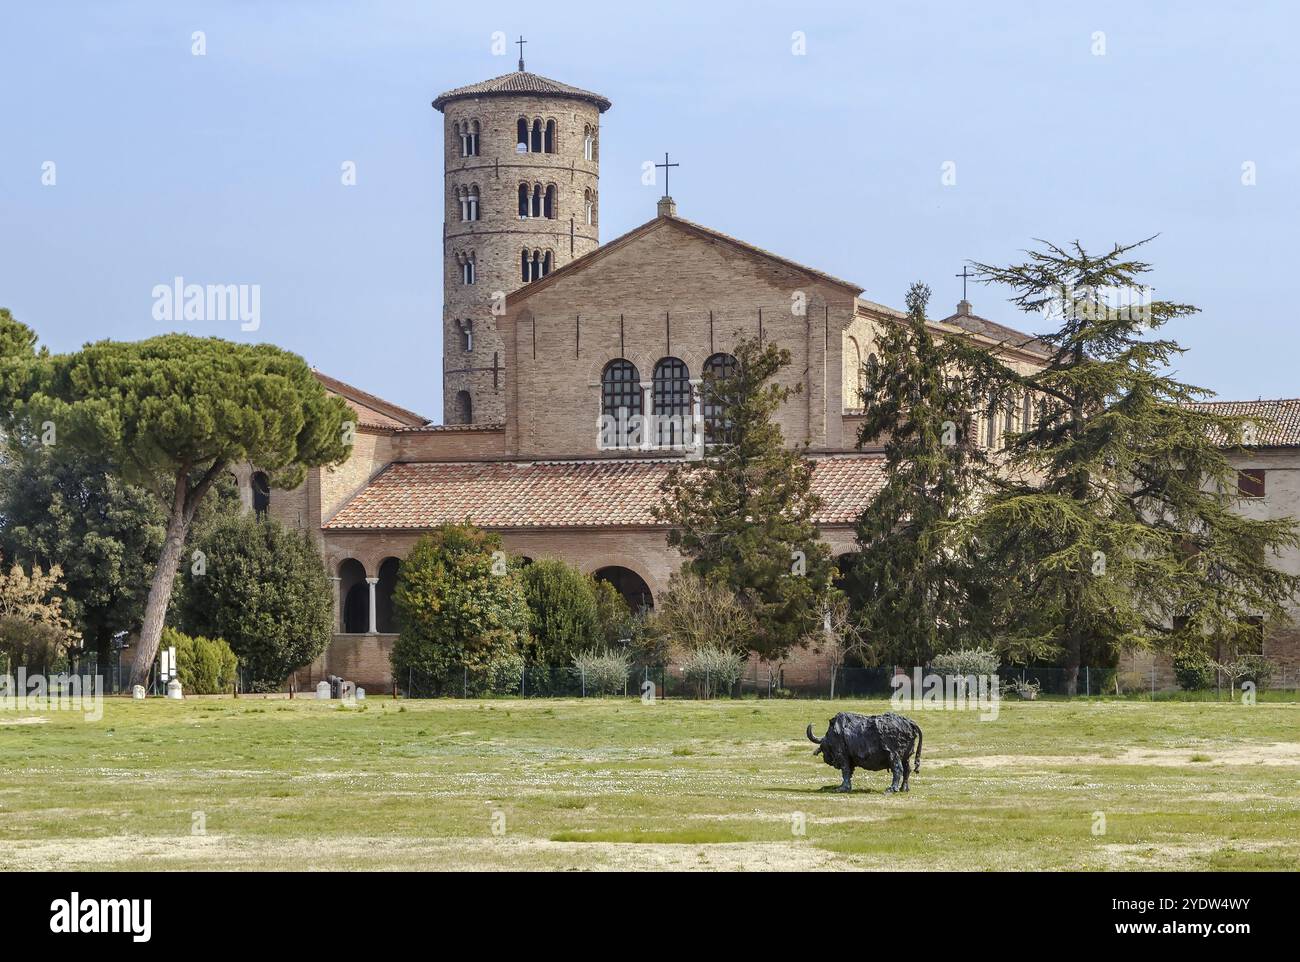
pixel 813 738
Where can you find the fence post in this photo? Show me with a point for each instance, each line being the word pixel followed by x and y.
pixel 584 682
pixel 1153 677
pixel 464 681
pixel 1087 681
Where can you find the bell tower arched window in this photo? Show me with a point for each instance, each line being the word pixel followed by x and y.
pixel 468 131
pixel 548 202
pixel 521 135
pixel 536 144
pixel 464 408
pixel 550 137
pixel 468 197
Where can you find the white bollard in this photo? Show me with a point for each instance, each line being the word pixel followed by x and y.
pixel 323 690
pixel 174 689
pixel 137 693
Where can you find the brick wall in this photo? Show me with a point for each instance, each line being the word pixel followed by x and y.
pixel 650 298
pixel 498 238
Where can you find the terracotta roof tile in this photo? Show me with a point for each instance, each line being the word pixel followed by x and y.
pixel 563 494
pixel 521 82
pixel 371 411
pixel 1278 421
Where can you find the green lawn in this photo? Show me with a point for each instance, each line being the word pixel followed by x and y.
pixel 570 784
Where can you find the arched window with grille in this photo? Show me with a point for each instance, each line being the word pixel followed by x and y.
pixel 620 399
pixel 672 401
pixel 717 427
pixel 870 374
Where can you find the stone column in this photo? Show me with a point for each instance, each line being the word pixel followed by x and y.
pixel 649 432
pixel 244 480
pixel 696 449
pixel 374 612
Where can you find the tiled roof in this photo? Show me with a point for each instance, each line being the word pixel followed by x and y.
pixel 998 332
pixel 1277 422
pixel 371 411
pixel 521 82
pixel 564 494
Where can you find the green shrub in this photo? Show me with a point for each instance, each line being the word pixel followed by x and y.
pixel 264 590
pixel 966 661
pixel 1255 668
pixel 35 646
pixel 603 672
pixel 1193 671
pixel 712 669
pixel 563 617
pixel 205 666
pixel 459 607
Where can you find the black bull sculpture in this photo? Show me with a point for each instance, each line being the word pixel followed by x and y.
pixel 870 742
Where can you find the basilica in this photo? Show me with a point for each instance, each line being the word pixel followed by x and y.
pixel 571 370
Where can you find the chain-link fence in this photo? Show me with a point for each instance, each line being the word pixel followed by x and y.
pixel 775 681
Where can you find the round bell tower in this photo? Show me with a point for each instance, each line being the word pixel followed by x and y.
pixel 520 194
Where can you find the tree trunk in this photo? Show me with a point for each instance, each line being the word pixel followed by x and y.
pixel 160 591
pixel 1073 646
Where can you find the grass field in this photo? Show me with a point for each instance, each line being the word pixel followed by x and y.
pixel 600 784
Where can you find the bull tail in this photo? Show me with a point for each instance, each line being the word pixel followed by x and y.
pixel 920 740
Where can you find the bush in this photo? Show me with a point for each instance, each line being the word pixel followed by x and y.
pixel 967 661
pixel 615 622
pixel 32 645
pixel 712 669
pixel 696 613
pixel 603 672
pixel 563 617
pixel 1255 668
pixel 457 608
pixel 264 590
pixel 1193 671
pixel 205 666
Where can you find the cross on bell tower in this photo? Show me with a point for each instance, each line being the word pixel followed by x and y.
pixel 520 43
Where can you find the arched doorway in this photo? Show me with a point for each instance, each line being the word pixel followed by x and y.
pixel 354 597
pixel 384 619
pixel 629 584
pixel 261 494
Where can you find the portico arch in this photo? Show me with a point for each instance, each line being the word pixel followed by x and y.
pixel 629 584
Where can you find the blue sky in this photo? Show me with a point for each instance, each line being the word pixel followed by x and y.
pixel 225 168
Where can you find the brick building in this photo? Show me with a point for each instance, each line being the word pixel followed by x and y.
pixel 553 344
